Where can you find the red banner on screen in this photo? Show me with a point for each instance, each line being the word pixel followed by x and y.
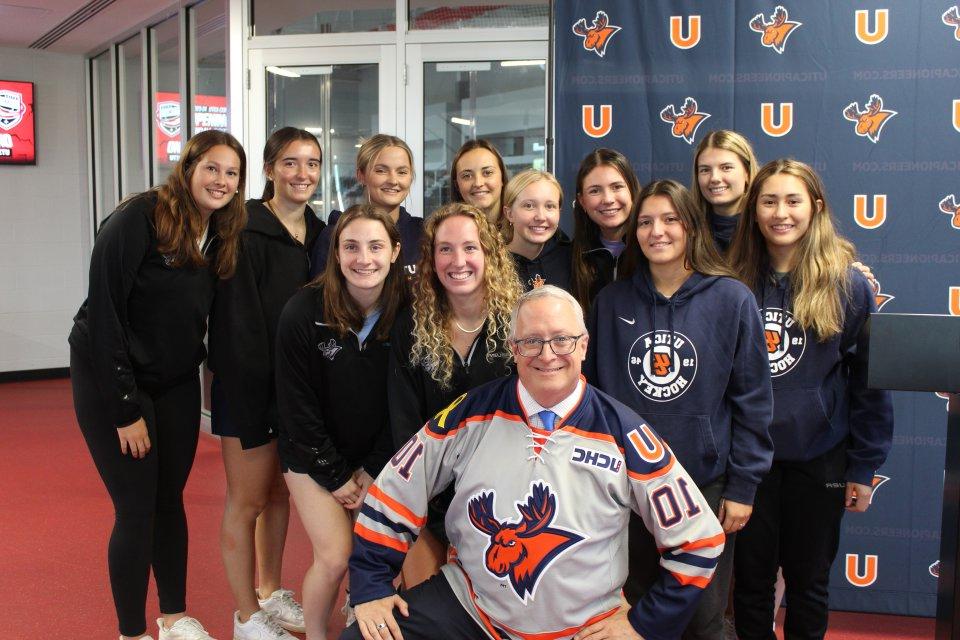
pixel 209 112
pixel 17 132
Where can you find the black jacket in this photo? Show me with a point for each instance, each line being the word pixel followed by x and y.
pixel 604 265
pixel 552 266
pixel 143 322
pixel 332 395
pixel 410 228
pixel 722 228
pixel 271 267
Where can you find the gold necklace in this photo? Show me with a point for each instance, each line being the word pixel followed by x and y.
pixel 459 326
pixel 295 234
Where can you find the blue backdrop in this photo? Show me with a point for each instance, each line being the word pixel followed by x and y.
pixel 866 92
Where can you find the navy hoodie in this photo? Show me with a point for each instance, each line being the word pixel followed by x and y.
pixel 551 266
pixel 820 388
pixel 411 230
pixel 694 365
pixel 722 228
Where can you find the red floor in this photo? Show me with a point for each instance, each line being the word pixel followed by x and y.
pixel 55 517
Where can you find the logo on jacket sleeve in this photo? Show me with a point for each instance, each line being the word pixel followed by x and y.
pixel 662 365
pixel 776 30
pixel 686 121
pixel 786 340
pixel 951 18
pixel 12 109
pixel 522 551
pixel 950 207
pixel 871 119
pixel 596 37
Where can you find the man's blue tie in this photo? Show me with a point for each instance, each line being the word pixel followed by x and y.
pixel 547 417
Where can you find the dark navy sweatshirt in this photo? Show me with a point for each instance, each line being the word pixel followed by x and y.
pixel 695 367
pixel 551 266
pixel 411 230
pixel 820 388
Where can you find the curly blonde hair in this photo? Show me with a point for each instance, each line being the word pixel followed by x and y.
pixel 432 344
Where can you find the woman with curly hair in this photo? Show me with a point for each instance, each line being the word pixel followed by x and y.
pixel 452 339
pixel 135 354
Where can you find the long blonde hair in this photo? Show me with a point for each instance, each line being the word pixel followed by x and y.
pixel 735 143
pixel 819 276
pixel 432 345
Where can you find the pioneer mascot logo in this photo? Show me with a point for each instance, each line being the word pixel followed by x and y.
pixel 597 37
pixel 777 30
pixel 786 340
pixel 870 121
pixel 522 551
pixel 878 34
pixel 865 577
pixel 12 109
pixel 879 297
pixel 662 365
pixel 692 37
pixel 950 207
pixel 686 122
pixel 951 18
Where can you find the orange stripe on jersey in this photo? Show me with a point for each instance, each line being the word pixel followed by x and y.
pixel 468 421
pixel 380 539
pixel 643 477
pixel 685 580
pixel 592 435
pixel 705 543
pixel 398 507
pixel 563 633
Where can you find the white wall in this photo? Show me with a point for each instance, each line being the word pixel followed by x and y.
pixel 44 216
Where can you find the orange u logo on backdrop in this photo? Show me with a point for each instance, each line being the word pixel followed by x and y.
pixel 590 126
pixel 854 576
pixel 781 128
pixel 866 219
pixel 956 115
pixel 880 26
pixel 954 303
pixel 692 38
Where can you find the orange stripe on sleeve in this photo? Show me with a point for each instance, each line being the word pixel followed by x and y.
pixel 378 493
pixel 704 543
pixel 696 581
pixel 643 477
pixel 380 539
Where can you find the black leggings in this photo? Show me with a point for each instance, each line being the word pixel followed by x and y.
pixel 150 529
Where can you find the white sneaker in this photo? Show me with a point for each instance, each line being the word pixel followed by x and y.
pixel 141 638
pixel 186 628
pixel 260 626
pixel 284 610
pixel 348 615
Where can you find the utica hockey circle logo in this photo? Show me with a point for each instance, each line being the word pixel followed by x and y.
pixel 662 365
pixel 786 340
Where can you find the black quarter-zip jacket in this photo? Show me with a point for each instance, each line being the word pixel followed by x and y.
pixel 143 322
pixel 271 267
pixel 552 266
pixel 332 395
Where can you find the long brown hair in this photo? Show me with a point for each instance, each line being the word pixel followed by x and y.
pixel 467 147
pixel 819 276
pixel 700 254
pixel 735 143
pixel 177 218
pixel 432 346
pixel 340 310
pixel 585 231
pixel 276 143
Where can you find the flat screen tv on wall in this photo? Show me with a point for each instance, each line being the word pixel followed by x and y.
pixel 18 134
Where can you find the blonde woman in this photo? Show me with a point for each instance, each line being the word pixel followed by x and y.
pixel 385 170
pixel 532 201
pixel 452 339
pixel 830 432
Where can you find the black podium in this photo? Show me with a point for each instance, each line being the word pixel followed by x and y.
pixel 922 353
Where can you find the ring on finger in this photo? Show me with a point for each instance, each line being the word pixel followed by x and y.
pixel 381 625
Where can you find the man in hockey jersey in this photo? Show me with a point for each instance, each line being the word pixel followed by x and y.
pixel 546 469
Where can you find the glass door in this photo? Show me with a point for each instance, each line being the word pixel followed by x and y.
pixel 341 94
pixel 474 90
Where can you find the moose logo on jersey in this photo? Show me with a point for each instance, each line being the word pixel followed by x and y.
pixel 777 30
pixel 950 207
pixel 596 37
pixel 12 109
pixel 660 369
pixel 951 18
pixel 786 340
pixel 878 297
pixel 687 121
pixel 522 551
pixel 870 121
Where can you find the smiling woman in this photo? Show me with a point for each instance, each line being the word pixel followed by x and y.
pixel 135 351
